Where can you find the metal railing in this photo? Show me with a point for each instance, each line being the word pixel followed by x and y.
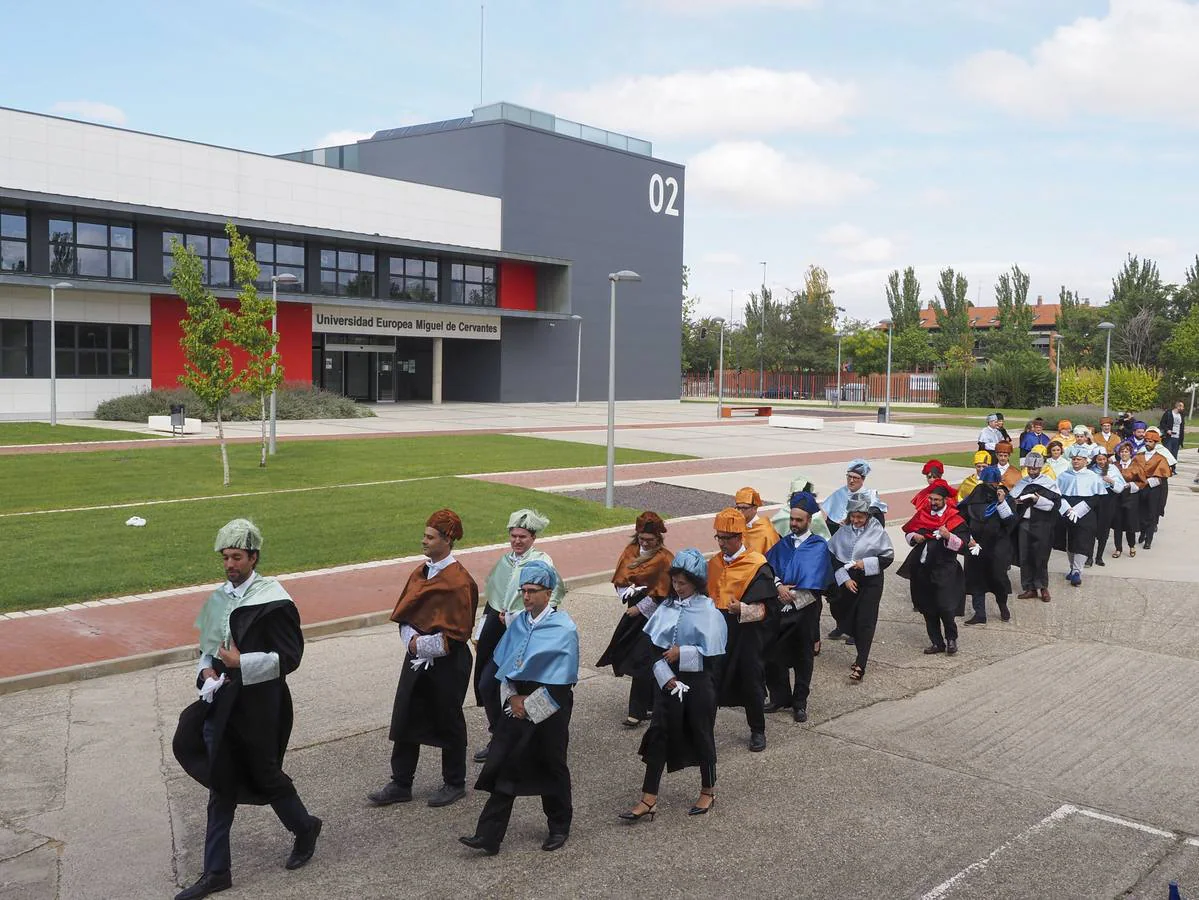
pixel 906 387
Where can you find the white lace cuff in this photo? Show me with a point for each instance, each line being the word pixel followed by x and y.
pixel 507 692
pixel 431 646
pixel 647 606
pixel 1082 508
pixel 259 667
pixel 407 633
pixel 540 705
pixel 204 662
pixel 870 565
pixel 1043 503
pixel 1005 511
pixel 663 673
pixel 842 575
pixel 690 659
pixel 752 612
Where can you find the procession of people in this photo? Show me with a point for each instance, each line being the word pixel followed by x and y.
pixel 738 627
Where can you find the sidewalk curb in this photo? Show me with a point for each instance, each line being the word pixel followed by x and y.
pixel 126 664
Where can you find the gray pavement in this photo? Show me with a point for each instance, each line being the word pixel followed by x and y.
pixel 1055 754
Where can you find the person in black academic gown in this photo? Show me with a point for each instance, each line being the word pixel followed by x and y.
pixel 991 521
pixel 860 552
pixel 1037 500
pixel 937 534
pixel 537 666
pixel 233 738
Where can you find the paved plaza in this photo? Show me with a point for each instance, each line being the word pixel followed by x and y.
pixel 1055 755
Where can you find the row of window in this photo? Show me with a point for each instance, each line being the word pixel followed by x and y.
pixel 105 250
pixel 82 350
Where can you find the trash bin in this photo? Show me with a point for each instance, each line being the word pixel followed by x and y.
pixel 178 417
pixel 882 414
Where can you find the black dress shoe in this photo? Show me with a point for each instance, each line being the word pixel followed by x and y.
pixel 1004 613
pixel 951 647
pixel 1148 545
pixel 388 794
pixel 757 741
pixel 304 846
pixel 976 619
pixel 477 843
pixel 777 707
pixel 554 841
pixel 209 883
pixel 836 633
pixel 1099 561
pixel 800 714
pixel 935 648
pixel 481 755
pixel 447 794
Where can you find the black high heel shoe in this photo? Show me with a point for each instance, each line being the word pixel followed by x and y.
pixel 702 810
pixel 651 809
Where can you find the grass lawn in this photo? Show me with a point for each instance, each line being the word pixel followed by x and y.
pixel 65 558
pixel 59 481
pixel 42 433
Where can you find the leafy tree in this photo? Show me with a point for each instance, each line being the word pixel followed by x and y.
pixel 1139 306
pixel 912 349
pixel 764 338
pixel 811 329
pixel 1015 315
pixel 953 315
pixel 903 298
pixel 207 359
pixel 1180 354
pixel 1185 297
pixel 252 332
pixel 864 348
pixel 1078 325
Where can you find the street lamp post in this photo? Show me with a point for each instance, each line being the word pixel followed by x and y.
pixel 762 341
pixel 890 330
pixel 1107 364
pixel 610 483
pixel 720 371
pixel 276 280
pixel 578 359
pixel 1057 367
pixel 837 401
pixel 59 285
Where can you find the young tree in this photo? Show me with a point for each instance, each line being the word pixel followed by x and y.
pixel 812 342
pixel 864 348
pixel 252 330
pixel 1180 354
pixel 207 359
pixel 953 314
pixel 1015 315
pixel 1139 304
pixel 903 299
pixel 1078 325
pixel 912 349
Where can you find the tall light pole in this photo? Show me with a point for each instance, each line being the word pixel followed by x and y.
pixel 610 483
pixel 276 280
pixel 837 401
pixel 720 371
pixel 62 286
pixel 578 359
pixel 890 331
pixel 762 341
pixel 1107 364
pixel 1057 366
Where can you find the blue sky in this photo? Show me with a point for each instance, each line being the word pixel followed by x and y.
pixel 860 135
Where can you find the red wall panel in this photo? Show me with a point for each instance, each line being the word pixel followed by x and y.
pixel 518 285
pixel 166 356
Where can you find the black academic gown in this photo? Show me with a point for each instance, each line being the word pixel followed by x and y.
pixel 938 583
pixel 630 652
pixel 1038 529
pixel 987 573
pixel 528 759
pixel 684 732
pixel 428 703
pixel 251 724
pixel 743 666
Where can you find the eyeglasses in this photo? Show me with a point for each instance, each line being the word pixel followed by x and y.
pixel 724 538
pixel 528 592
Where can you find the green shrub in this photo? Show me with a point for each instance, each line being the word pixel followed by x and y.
pixel 1132 387
pixel 296 400
pixel 1014 382
pixel 1081 386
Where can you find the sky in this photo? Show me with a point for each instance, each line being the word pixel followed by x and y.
pixel 857 135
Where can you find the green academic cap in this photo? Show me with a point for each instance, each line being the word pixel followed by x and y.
pixel 240 534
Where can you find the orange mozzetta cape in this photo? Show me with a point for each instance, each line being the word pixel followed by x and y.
pixel 445 603
pixel 727 582
pixel 653 573
pixel 1011 477
pixel 761 537
pixel 1153 467
pixel 1107 442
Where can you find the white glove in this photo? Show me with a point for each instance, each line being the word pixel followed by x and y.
pixel 211 686
pixel 976 549
pixel 679 689
pixel 1154 481
pixel 1133 488
pixel 788 607
pixel 421 663
pixel 1072 514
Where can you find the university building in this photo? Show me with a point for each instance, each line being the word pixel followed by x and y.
pixel 452 261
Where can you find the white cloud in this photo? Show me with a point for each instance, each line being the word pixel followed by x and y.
pixel 752 175
pixel 90 110
pixel 721 258
pixel 724 102
pixel 707 6
pixel 337 138
pixel 1137 62
pixel 855 245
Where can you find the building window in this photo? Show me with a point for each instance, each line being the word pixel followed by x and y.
pixel 16 339
pixel 472 285
pixel 279 258
pixel 91 248
pixel 14 241
pixel 413 279
pixel 347 272
pixel 88 350
pixel 213 250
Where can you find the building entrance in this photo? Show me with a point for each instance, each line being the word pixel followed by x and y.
pixel 372 369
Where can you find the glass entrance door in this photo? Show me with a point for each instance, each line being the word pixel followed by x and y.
pixel 386 378
pixel 358 375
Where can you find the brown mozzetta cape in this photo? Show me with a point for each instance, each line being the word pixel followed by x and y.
pixel 1011 476
pixel 1154 466
pixel 445 603
pixel 728 581
pixel 653 573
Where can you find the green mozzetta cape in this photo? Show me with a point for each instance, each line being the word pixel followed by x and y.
pixel 213 620
pixel 503 584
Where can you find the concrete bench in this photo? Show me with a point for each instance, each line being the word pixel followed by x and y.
pixel 803 423
pixel 163 423
pixel 885 429
pixel 726 412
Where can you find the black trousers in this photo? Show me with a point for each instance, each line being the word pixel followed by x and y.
pixel 1124 525
pixel 287 806
pixel 405 755
pixel 778 674
pixel 934 623
pixel 641 696
pixel 979 602
pixel 656 765
pixel 487 688
pixel 1034 563
pixel 493 821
